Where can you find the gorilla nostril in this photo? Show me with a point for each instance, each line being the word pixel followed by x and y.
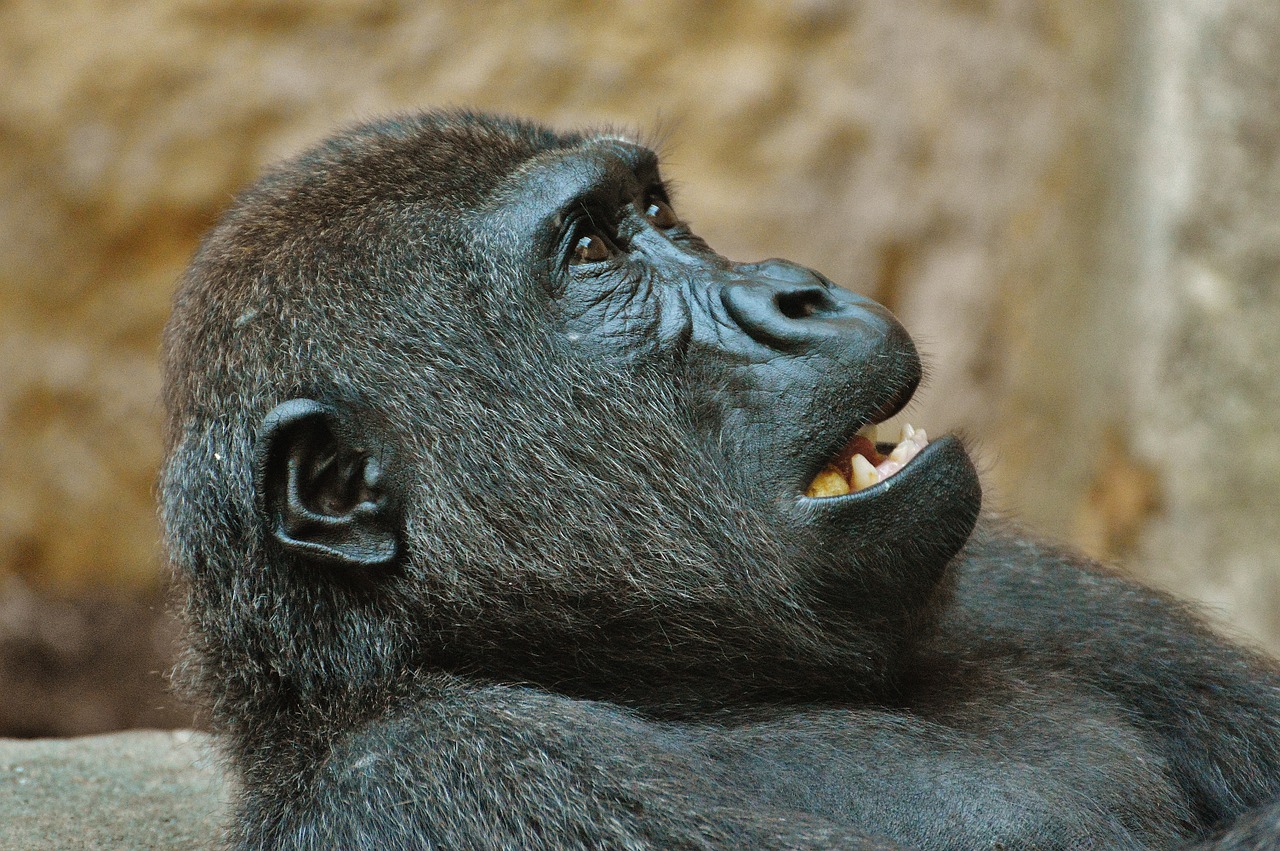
pixel 801 304
pixel 791 317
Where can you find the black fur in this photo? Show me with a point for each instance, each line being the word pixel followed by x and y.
pixel 525 562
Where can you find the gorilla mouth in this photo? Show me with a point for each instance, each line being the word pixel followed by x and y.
pixel 864 463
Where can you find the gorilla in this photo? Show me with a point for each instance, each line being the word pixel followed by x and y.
pixel 508 514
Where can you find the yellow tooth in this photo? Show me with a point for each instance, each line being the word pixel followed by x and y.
pixel 906 433
pixel 829 482
pixel 864 475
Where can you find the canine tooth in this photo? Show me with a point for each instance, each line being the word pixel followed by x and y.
pixel 830 482
pixel 864 475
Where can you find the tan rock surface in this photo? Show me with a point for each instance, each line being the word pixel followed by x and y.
pixel 142 790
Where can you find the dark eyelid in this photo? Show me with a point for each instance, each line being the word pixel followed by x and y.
pixel 645 168
pixel 564 232
pixel 591 219
pixel 589 207
pixel 657 190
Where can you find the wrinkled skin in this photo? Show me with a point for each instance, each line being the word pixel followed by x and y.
pixel 486 487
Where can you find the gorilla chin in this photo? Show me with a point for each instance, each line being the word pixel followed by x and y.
pixel 509 514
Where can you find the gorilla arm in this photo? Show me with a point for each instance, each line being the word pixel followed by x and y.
pixel 466 766
pixel 1214 707
pixel 509 767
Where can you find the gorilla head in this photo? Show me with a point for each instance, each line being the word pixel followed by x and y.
pixel 456 393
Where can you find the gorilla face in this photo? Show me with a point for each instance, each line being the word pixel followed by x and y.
pixel 473 395
pixel 782 369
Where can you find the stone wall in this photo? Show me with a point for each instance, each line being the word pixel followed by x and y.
pixel 1070 204
pixel 1203 361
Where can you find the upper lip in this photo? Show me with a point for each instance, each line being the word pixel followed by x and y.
pixel 894 400
pixel 894 403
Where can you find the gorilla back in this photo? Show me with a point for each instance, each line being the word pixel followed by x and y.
pixel 509 514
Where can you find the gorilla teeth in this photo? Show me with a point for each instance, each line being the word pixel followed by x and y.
pixel 862 474
pixel 830 482
pixel 859 465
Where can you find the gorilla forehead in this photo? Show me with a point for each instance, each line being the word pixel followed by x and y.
pixel 451 158
pixel 408 210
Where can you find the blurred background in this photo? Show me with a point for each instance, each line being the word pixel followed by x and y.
pixel 1073 205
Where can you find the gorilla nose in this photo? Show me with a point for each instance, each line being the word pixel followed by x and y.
pixel 793 309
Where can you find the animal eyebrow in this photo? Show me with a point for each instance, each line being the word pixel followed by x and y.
pixel 638 155
pixel 597 194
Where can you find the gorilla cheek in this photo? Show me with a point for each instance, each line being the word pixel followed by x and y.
pixel 761 415
pixel 626 326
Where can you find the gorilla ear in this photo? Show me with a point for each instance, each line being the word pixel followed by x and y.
pixel 321 498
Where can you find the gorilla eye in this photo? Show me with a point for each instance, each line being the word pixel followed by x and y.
pixel 660 214
pixel 591 248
